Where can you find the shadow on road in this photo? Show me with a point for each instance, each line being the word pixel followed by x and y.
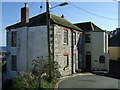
pixel 116 76
pixel 83 89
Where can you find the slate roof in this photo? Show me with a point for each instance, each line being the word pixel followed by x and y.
pixel 41 20
pixel 89 26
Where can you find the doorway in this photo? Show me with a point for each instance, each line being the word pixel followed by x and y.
pixel 88 62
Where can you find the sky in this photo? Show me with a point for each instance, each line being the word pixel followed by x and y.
pixel 103 14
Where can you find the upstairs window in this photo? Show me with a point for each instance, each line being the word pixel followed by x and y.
pixel 14 39
pixel 102 59
pixel 74 38
pixel 87 38
pixel 65 37
pixel 14 59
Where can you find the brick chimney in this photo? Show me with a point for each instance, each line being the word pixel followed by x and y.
pixel 25 14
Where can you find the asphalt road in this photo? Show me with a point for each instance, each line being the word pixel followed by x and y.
pixel 90 81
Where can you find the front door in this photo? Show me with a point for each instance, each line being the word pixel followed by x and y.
pixel 88 62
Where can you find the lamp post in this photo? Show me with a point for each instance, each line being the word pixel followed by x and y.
pixel 48 27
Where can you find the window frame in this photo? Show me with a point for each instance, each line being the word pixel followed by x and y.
pixel 87 38
pixel 14 62
pixel 67 60
pixel 14 38
pixel 65 37
pixel 102 59
pixel 74 38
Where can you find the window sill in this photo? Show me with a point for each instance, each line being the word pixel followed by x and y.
pixel 14 69
pixel 65 44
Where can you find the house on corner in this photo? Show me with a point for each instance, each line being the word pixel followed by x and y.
pixel 114 44
pixel 94 54
pixel 27 40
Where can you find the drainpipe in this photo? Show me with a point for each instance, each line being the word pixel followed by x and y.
pixel 84 53
pixel 72 50
pixel 27 50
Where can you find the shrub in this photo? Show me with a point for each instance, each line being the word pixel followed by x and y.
pixel 43 74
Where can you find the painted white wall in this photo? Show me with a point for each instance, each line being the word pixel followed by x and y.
pixel 31 43
pixel 37 43
pixel 98 47
pixel 22 48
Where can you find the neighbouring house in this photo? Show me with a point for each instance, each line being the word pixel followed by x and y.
pixel 28 40
pixel 2 54
pixel 94 53
pixel 114 44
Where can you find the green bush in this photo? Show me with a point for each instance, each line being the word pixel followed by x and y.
pixel 35 77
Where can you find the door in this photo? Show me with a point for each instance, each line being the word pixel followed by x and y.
pixel 88 62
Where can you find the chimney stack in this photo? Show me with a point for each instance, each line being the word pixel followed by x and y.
pixel 25 14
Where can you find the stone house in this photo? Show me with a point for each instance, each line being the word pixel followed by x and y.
pixel 114 44
pixel 27 40
pixel 94 52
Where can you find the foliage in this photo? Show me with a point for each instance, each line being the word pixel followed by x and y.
pixel 44 74
pixel 3 67
pixel 26 81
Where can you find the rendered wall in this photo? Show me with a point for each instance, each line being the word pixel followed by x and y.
pixel 114 53
pixel 98 47
pixel 37 43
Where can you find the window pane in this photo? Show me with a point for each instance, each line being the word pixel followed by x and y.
pixel 87 38
pixel 14 39
pixel 67 60
pixel 102 59
pixel 65 36
pixel 13 62
pixel 74 38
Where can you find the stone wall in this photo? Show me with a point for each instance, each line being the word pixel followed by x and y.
pixel 62 51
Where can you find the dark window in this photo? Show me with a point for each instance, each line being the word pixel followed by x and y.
pixel 66 60
pixel 14 39
pixel 102 59
pixel 74 38
pixel 14 62
pixel 65 37
pixel 87 38
pixel 7 37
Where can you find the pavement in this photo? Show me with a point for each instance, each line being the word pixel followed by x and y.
pixel 88 81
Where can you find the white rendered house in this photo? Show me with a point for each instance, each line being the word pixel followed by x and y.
pixel 95 51
pixel 27 40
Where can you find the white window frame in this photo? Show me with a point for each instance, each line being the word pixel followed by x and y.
pixel 74 38
pixel 65 37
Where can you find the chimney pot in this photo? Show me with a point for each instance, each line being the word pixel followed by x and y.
pixel 26 5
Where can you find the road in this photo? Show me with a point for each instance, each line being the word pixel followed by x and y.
pixel 90 81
